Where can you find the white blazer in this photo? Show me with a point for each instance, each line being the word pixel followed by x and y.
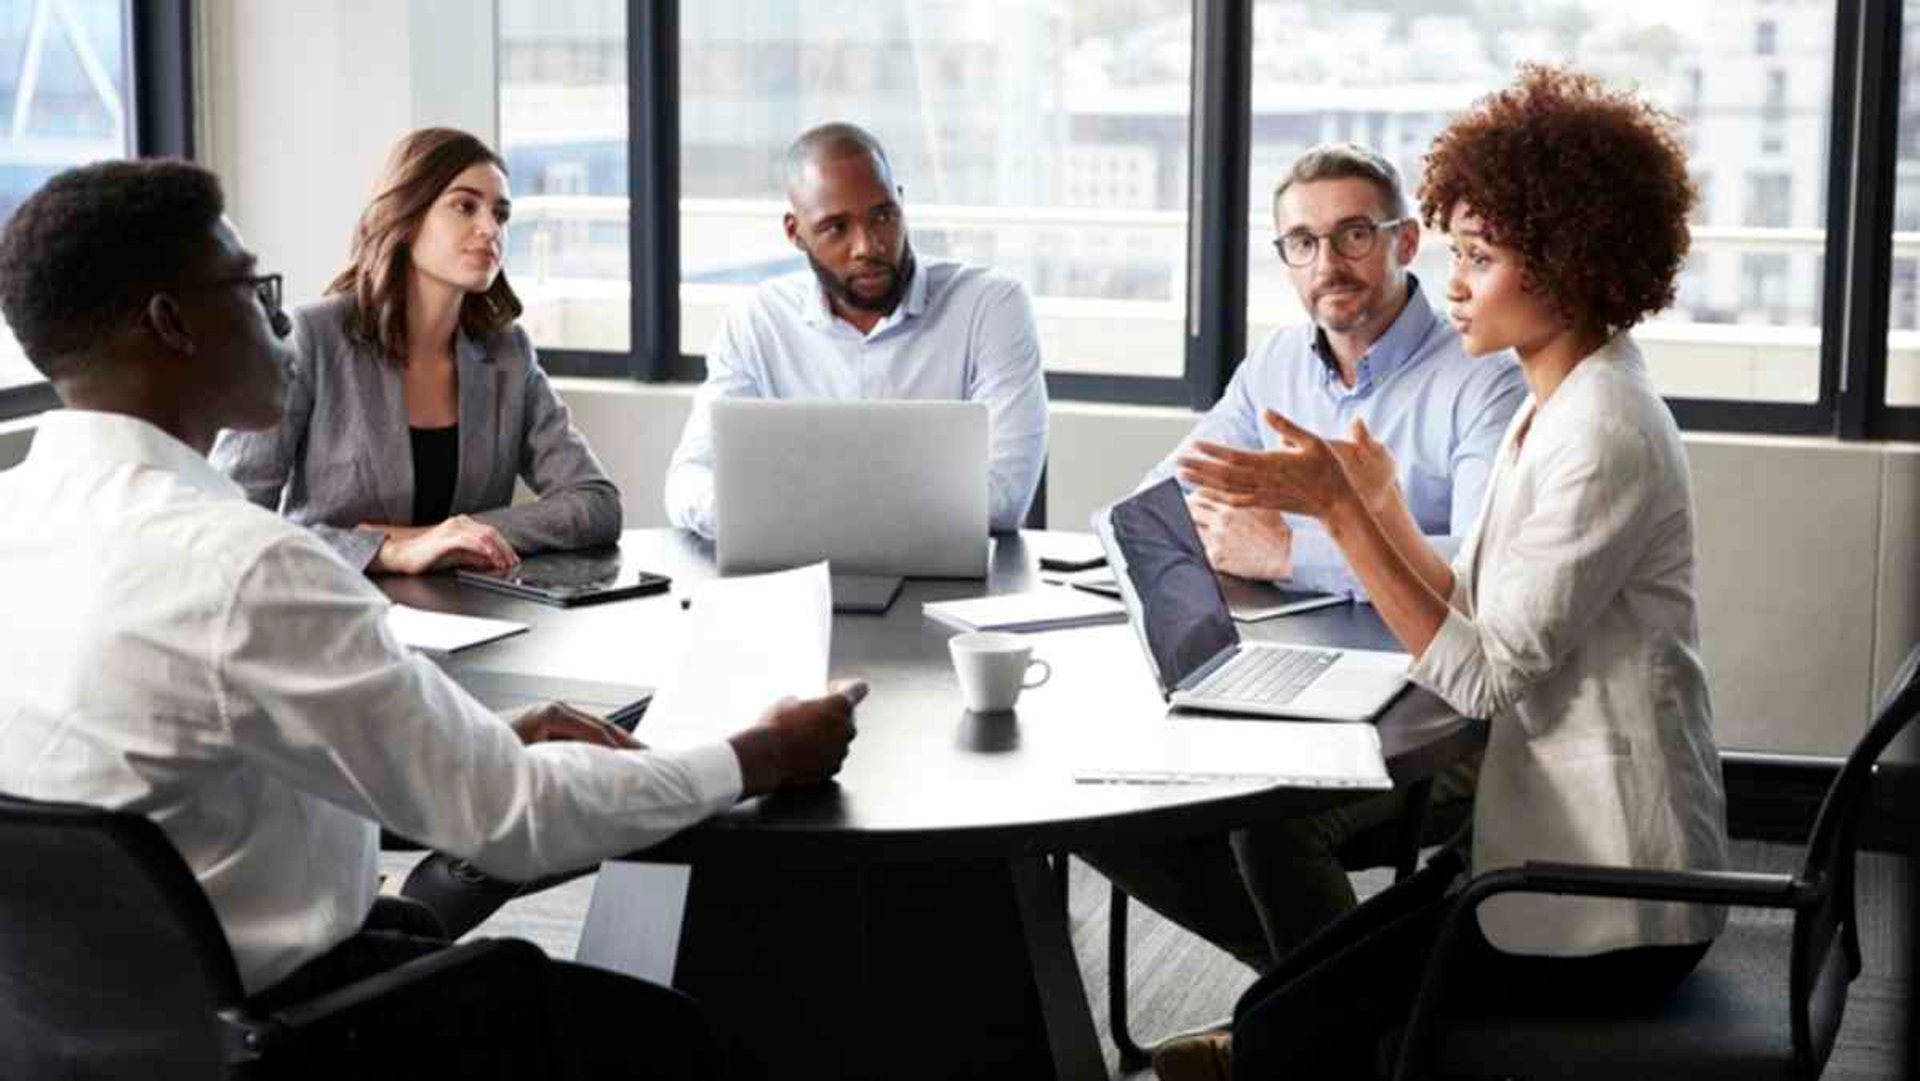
pixel 1574 630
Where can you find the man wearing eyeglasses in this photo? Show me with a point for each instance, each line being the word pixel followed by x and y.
pixel 1374 354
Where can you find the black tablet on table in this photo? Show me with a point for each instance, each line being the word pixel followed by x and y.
pixel 589 576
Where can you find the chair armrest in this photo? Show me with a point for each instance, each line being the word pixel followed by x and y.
pixel 506 971
pixel 1742 888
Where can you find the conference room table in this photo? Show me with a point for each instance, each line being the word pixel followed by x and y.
pixel 904 919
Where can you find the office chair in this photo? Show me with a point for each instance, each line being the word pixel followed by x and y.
pixel 1393 844
pixel 113 965
pixel 1037 510
pixel 1765 1002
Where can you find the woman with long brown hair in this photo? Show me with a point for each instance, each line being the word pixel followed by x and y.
pixel 416 400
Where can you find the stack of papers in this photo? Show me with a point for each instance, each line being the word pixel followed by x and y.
pixel 1184 750
pixel 438 632
pixel 1044 609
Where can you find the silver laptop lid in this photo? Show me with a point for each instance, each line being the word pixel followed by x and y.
pixel 1173 599
pixel 873 487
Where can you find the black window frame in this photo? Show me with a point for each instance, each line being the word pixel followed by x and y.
pixel 159 46
pixel 1856 275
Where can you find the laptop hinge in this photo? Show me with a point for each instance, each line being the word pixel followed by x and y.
pixel 1199 675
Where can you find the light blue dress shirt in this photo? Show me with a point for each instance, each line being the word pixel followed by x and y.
pixel 961 333
pixel 1439 411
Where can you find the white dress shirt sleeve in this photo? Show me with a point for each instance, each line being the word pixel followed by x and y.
pixel 1561 567
pixel 1006 375
pixel 1317 560
pixel 730 374
pixel 312 688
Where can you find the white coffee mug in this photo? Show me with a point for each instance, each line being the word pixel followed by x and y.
pixel 993 668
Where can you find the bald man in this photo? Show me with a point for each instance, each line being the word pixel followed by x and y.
pixel 869 321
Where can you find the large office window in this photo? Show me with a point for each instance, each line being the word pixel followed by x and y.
pixel 1903 315
pixel 1391 75
pixel 64 97
pixel 563 131
pixel 1045 138
pixel 1093 148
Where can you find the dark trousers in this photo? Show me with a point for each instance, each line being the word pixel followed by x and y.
pixel 462 896
pixel 1261 891
pixel 603 1024
pixel 1323 1010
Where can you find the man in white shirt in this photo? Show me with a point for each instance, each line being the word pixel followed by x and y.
pixel 867 321
pixel 185 654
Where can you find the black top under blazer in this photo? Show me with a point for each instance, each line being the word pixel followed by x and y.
pixel 342 454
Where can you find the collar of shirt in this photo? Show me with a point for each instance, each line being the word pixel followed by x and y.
pixel 68 436
pixel 1388 354
pixel 818 311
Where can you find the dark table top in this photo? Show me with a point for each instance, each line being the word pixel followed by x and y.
pixel 925 778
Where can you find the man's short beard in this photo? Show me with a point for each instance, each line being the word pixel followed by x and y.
pixel 841 291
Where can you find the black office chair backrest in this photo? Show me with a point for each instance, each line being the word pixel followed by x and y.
pixel 1826 942
pixel 112 963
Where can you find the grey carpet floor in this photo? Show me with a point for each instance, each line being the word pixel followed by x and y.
pixel 1178 982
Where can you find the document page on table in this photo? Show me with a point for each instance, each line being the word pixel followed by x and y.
pixel 441 632
pixel 1192 750
pixel 749 641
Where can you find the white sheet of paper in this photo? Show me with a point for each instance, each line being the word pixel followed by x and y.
pixel 634 922
pixel 750 640
pixel 438 632
pixel 1189 750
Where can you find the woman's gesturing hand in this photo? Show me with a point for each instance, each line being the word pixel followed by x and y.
pixel 1304 475
pixel 1369 467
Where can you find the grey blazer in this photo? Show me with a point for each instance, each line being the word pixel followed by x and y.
pixel 342 455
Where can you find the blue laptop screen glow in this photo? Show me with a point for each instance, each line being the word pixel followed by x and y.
pixel 1185 618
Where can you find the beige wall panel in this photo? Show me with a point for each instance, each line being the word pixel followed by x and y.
pixel 1789 533
pixel 1097 453
pixel 633 428
pixel 1899 586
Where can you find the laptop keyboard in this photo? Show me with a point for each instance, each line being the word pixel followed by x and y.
pixel 1266 675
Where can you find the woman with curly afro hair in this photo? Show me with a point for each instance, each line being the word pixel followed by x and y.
pixel 1569 619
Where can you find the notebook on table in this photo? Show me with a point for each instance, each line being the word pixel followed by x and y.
pixel 444 632
pixel 1249 601
pixel 1177 609
pixel 1044 609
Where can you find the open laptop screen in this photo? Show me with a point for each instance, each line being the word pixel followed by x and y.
pixel 1183 617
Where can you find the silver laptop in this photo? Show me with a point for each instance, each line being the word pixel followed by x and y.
pixel 1175 605
pixel 873 487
